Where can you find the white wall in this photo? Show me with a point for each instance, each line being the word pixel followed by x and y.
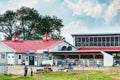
pixel 60 45
pixel 5 48
pixel 108 59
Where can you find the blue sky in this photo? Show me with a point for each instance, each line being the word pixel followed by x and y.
pixel 79 16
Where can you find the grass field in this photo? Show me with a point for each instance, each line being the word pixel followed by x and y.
pixel 81 75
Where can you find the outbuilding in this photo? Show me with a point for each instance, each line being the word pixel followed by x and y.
pixel 31 52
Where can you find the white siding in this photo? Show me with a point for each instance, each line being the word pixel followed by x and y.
pixel 108 59
pixel 58 46
pixel 5 48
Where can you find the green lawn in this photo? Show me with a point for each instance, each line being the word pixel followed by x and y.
pixel 83 75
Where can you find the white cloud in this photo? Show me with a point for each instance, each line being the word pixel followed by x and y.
pixel 73 28
pixel 15 4
pixel 95 9
pixel 88 7
pixel 112 10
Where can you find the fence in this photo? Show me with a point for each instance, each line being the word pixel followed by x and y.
pixel 3 63
pixel 3 68
pixel 85 62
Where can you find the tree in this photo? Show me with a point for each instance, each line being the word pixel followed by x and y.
pixel 28 24
pixel 28 19
pixel 51 25
pixel 7 24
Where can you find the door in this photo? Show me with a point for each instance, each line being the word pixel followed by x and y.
pixel 26 60
pixel 10 58
pixel 35 60
pixel 20 59
pixel 31 60
pixel 86 63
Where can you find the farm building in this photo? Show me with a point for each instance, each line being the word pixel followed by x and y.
pixel 89 50
pixel 94 49
pixel 30 52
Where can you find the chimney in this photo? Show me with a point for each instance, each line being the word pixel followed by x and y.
pixel 46 36
pixel 15 37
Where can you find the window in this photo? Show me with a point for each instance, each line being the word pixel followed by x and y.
pixel 26 58
pixel 112 38
pixel 95 43
pixel 103 38
pixel 108 39
pixel 87 39
pixel 99 43
pixel 50 58
pixel 99 38
pixel 116 38
pixel 112 43
pixel 76 41
pixel 35 58
pixel 83 39
pixel 69 48
pixel 31 57
pixel 78 44
pixel 2 56
pixel 95 39
pixel 12 56
pixel 116 43
pixel 107 44
pixel 79 39
pixel 63 48
pixel 91 44
pixel 103 43
pixel 91 39
pixel 19 56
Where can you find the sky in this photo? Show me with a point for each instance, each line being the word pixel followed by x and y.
pixel 78 16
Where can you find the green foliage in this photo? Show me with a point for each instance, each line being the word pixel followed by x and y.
pixel 114 54
pixel 29 24
pixel 7 24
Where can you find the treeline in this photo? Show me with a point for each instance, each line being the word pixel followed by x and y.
pixel 29 24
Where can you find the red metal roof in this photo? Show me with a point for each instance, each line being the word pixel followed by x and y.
pixel 24 45
pixel 100 48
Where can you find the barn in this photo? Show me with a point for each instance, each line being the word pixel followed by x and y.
pixel 30 52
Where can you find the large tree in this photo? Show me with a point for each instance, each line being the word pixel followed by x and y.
pixel 28 24
pixel 28 19
pixel 8 24
pixel 51 25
